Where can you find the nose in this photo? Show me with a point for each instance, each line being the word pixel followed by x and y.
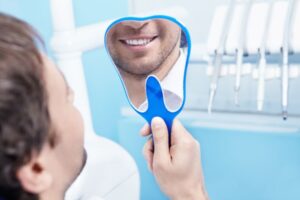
pixel 135 24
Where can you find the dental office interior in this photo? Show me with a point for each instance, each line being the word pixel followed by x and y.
pixel 241 100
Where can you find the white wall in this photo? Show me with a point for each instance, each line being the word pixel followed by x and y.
pixel 200 13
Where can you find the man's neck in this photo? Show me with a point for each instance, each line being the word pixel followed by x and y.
pixel 135 86
pixel 53 195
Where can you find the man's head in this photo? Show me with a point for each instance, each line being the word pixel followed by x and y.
pixel 141 47
pixel 41 132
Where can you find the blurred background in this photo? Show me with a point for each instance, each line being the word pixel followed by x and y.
pixel 246 154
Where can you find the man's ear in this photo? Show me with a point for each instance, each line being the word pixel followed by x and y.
pixel 34 177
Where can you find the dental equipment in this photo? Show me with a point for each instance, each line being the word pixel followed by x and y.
pixel 285 58
pixel 217 62
pixel 240 50
pixel 262 61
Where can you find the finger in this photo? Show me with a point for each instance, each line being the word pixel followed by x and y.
pixel 161 141
pixel 145 130
pixel 182 143
pixel 148 153
pixel 179 133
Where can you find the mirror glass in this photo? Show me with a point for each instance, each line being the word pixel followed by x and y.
pixel 140 48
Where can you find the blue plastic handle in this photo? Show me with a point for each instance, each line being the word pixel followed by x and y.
pixel 156 104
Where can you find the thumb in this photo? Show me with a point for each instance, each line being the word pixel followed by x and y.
pixel 161 140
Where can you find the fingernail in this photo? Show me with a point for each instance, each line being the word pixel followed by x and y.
pixel 157 123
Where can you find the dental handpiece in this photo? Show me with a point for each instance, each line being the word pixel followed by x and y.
pixel 217 62
pixel 285 58
pixel 240 50
pixel 285 85
pixel 262 61
pixel 261 80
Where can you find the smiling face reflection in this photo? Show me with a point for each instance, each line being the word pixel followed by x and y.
pixel 141 47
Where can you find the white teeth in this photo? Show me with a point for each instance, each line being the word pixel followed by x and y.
pixel 138 42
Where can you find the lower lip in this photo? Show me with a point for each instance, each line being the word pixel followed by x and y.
pixel 139 48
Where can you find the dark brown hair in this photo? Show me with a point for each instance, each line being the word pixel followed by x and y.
pixel 24 117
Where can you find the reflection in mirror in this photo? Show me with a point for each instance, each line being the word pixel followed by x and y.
pixel 140 48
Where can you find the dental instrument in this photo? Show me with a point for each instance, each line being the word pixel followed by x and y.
pixel 217 62
pixel 285 58
pixel 240 50
pixel 262 61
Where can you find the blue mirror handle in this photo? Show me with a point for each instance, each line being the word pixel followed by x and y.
pixel 156 104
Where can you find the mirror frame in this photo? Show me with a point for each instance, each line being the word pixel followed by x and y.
pixel 189 46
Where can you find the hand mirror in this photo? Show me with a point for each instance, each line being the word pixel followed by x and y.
pixel 151 55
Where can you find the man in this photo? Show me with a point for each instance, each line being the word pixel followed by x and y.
pixel 41 132
pixel 149 47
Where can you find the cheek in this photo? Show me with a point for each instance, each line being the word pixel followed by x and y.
pixel 75 137
pixel 170 33
pixel 171 39
pixel 78 126
pixel 69 149
pixel 112 43
pixel 111 46
pixel 72 126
